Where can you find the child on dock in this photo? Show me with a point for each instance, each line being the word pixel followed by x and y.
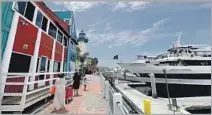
pixel 84 81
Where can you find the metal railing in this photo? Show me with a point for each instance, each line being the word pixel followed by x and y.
pixel 26 84
pixel 113 98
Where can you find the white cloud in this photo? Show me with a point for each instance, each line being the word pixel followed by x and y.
pixel 81 6
pixel 130 6
pixel 119 5
pixel 108 26
pixel 119 38
pixel 78 6
pixel 97 24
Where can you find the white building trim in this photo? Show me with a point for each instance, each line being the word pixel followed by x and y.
pixel 34 58
pixel 8 51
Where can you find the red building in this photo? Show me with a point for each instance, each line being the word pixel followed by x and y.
pixel 35 53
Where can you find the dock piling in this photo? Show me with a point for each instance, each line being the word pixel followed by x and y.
pixel 153 85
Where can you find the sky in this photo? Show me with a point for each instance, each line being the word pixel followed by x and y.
pixel 132 28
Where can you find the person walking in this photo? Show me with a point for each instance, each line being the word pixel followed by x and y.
pixel 84 82
pixel 125 74
pixel 59 96
pixel 76 84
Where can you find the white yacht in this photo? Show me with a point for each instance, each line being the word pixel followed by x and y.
pixel 188 71
pixel 144 59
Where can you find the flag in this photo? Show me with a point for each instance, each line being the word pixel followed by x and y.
pixel 116 57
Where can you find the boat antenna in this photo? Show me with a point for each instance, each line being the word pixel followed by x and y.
pixel 178 42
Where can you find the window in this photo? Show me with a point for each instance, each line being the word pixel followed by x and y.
pixel 59 37
pixel 65 41
pixel 67 21
pixel 52 30
pixel 56 66
pixel 30 11
pixel 43 64
pixel 48 66
pixel 39 19
pixel 37 64
pixel 20 7
pixel 19 63
pixel 26 9
pixel 44 23
pixel 197 62
pixel 64 67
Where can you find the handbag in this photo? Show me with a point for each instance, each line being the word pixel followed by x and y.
pixel 52 90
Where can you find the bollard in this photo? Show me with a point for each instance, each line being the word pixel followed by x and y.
pixel 153 85
pixel 147 106
pixel 117 98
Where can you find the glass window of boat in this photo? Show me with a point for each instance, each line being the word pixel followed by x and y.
pixel 44 23
pixel 197 62
pixel 48 66
pixel 59 37
pixel 52 30
pixel 20 7
pixel 39 19
pixel 29 14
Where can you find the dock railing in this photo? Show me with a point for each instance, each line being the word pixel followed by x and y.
pixel 24 96
pixel 113 99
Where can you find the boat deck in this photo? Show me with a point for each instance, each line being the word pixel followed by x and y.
pixel 160 105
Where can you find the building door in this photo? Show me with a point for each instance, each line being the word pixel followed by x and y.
pixel 42 69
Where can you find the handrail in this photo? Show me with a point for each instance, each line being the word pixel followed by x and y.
pixel 11 75
pixel 122 108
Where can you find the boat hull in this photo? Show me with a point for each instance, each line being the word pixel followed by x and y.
pixel 182 81
pixel 182 90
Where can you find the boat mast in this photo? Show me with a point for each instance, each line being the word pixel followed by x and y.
pixel 178 42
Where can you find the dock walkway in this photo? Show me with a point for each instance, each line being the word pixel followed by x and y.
pixel 88 102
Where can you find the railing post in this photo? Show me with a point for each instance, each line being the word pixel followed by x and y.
pixel 104 87
pixel 102 79
pixel 106 92
pixel 117 98
pixel 153 85
pixel 116 81
pixel 23 98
